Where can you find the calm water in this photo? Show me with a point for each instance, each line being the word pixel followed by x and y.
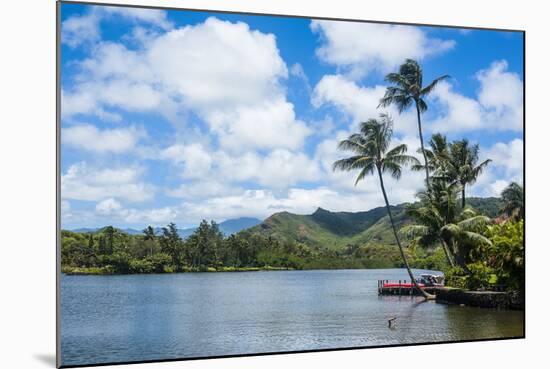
pixel 148 317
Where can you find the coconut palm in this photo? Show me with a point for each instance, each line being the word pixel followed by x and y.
pixel 437 155
pixel 407 89
pixel 437 208
pixel 465 236
pixel 372 153
pixel 439 219
pixel 512 196
pixel 463 165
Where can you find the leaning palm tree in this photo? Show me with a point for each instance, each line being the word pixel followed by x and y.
pixel 407 89
pixel 512 196
pixel 372 154
pixel 463 165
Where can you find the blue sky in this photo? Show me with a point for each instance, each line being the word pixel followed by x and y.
pixel 182 116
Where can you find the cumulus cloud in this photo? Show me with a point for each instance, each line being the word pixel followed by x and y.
pixel 359 48
pixel 155 216
pixel 108 206
pixel 79 29
pixel 234 85
pixel 110 210
pixel 90 138
pixel 497 106
pixel 83 182
pixel 268 125
pixel 275 169
pixel 203 189
pixel 506 166
pixel 359 103
pixel 196 160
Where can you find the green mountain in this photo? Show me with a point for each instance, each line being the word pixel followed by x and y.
pixel 338 230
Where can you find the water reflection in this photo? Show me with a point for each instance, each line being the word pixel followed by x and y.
pixel 148 317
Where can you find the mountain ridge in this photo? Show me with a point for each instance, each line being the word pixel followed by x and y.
pixel 227 227
pixel 336 230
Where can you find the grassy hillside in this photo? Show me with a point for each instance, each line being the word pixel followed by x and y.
pixel 338 230
pixel 332 230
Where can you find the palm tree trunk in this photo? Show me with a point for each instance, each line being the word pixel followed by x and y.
pixel 447 253
pixel 422 145
pixel 463 196
pixel 460 259
pixel 426 295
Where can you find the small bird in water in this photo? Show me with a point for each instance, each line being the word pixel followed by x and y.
pixel 391 321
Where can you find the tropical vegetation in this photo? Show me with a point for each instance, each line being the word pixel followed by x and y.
pixel 477 242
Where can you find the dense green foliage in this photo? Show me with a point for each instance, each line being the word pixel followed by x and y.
pixel 501 263
pixel 284 240
pixel 110 250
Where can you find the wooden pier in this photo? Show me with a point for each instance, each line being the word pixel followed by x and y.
pixel 402 288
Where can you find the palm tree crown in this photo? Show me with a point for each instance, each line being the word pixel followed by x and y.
pixel 438 219
pixel 512 197
pixel 437 155
pixel 463 164
pixel 407 88
pixel 371 149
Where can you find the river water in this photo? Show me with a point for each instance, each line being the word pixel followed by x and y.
pixel 166 316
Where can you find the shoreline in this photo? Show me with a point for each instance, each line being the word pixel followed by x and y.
pixel 102 271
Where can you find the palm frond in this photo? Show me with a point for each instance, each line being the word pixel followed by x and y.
pixel 354 162
pixel 414 230
pixel 429 88
pixel 391 167
pixel 474 222
pixel 476 238
pixel 367 170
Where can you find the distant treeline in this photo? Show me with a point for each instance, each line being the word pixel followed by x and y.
pixel 112 251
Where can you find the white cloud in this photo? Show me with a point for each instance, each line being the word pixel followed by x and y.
pixel 90 138
pixel 154 17
pixel 196 160
pixel 501 94
pixel 240 66
pixel 234 85
pixel 509 157
pixel 149 216
pixel 497 106
pixel 278 169
pixel 110 211
pixel 360 48
pixel 459 113
pixel 506 166
pixel 268 125
pixel 359 103
pixel 79 29
pixel 275 169
pixel 82 182
pixel 203 189
pixel 108 206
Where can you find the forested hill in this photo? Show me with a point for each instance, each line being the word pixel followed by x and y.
pixel 337 230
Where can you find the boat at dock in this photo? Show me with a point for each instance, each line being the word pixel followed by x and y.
pixel 427 282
